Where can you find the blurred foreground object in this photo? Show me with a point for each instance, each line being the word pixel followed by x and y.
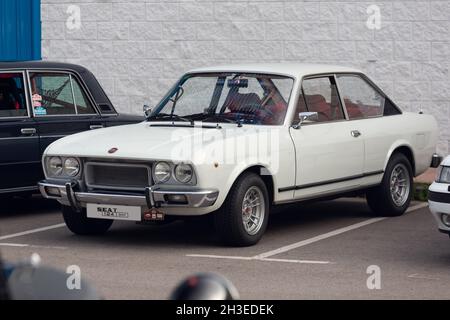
pixel 205 286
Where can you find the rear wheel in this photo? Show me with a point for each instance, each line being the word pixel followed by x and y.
pixel 393 196
pixel 79 223
pixel 243 218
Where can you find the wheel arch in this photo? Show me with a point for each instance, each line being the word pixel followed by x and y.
pixel 405 149
pixel 262 171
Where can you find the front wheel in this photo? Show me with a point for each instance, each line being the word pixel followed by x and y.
pixel 80 224
pixel 243 218
pixel 393 196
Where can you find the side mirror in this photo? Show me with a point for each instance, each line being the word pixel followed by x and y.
pixel 306 116
pixel 147 110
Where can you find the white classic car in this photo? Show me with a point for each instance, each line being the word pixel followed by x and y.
pixel 233 141
pixel 439 196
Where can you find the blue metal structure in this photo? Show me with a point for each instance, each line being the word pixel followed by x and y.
pixel 20 30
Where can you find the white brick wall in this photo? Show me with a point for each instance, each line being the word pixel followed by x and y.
pixel 137 48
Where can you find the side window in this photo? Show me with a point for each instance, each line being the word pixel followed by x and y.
pixel 360 98
pixel 83 105
pixel 57 94
pixel 12 95
pixel 320 95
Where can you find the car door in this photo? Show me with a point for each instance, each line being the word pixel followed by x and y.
pixel 60 105
pixel 329 151
pixel 20 165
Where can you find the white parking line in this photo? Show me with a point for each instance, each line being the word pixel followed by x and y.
pixel 210 256
pixel 329 234
pixel 14 244
pixel 25 245
pixel 265 256
pixel 23 233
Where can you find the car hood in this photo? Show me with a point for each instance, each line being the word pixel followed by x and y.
pixel 151 140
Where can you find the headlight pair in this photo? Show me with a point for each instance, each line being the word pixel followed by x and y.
pixel 162 172
pixel 63 167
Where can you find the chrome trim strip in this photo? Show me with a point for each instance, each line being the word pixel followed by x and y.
pixel 318 184
pixel 19 189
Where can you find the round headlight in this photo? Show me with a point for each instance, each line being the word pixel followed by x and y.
pixel 446 219
pixel 162 172
pixel 71 167
pixel 183 173
pixel 55 166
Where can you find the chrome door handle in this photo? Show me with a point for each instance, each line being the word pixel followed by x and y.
pixel 95 126
pixel 28 131
pixel 355 133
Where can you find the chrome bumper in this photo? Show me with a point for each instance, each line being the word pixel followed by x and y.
pixel 154 197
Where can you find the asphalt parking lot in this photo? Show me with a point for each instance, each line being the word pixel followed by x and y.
pixel 314 251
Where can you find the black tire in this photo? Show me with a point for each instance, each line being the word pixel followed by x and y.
pixel 379 198
pixel 80 224
pixel 228 220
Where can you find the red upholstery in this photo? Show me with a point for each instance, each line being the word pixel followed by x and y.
pixel 359 110
pixel 317 103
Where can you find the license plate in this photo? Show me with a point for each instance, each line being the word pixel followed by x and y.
pixel 106 211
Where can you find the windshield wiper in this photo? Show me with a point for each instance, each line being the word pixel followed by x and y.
pixel 216 117
pixel 165 116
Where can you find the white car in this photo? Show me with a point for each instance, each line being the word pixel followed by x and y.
pixel 233 141
pixel 439 196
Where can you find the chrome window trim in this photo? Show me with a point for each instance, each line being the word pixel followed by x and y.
pixel 370 84
pixel 302 95
pixel 25 92
pixel 77 78
pixel 87 173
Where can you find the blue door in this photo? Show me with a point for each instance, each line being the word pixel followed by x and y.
pixel 20 30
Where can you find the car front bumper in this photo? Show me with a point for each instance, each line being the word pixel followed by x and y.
pixel 69 194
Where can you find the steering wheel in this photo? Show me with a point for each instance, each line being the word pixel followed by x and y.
pixel 257 109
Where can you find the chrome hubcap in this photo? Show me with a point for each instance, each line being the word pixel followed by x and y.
pixel 400 184
pixel 253 210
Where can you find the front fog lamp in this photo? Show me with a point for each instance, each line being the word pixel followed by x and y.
pixel 446 219
pixel 55 166
pixel 183 173
pixel 71 167
pixel 162 172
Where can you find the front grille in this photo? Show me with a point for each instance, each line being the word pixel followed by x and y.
pixel 117 176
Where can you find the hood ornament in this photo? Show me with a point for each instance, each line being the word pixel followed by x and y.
pixel 112 150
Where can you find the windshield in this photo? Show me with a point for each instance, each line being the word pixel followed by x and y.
pixel 241 98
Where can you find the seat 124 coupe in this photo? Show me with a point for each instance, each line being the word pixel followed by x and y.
pixel 234 141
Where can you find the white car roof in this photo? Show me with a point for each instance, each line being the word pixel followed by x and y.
pixel 297 70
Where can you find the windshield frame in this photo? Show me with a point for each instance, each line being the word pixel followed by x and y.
pixel 172 91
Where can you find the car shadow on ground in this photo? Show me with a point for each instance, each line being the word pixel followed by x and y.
pixel 22 206
pixel 199 232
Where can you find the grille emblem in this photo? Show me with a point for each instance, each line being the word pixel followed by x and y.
pixel 112 150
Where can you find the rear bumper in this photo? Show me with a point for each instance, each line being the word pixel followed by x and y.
pixel 153 197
